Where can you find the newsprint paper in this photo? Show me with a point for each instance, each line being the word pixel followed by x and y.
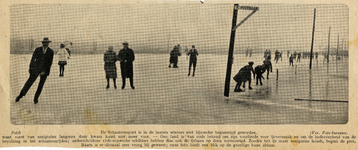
pixel 184 74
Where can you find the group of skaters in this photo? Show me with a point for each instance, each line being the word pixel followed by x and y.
pixel 176 52
pixel 42 58
pixel 244 74
pixel 297 56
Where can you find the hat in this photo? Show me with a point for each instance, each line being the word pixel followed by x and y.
pixel 251 62
pixel 46 40
pixel 62 45
pixel 193 46
pixel 110 46
pixel 125 43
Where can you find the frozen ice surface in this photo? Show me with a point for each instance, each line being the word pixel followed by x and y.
pixel 165 95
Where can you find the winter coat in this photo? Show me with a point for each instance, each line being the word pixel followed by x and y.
pixel 110 67
pixel 41 62
pixel 126 57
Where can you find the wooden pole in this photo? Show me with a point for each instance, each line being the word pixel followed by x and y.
pixel 329 34
pixel 314 20
pixel 337 47
pixel 231 51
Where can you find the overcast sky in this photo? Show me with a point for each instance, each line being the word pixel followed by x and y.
pixel 274 26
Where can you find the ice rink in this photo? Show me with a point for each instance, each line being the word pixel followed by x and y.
pixel 165 95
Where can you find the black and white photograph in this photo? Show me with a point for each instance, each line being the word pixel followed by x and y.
pixel 179 64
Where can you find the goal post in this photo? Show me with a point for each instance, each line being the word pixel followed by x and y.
pixel 232 42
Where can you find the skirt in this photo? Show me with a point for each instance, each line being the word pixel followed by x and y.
pixel 62 63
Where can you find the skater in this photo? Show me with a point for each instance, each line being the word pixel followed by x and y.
pixel 291 60
pixel 277 56
pixel 174 54
pixel 265 54
pixel 281 53
pixel 288 54
pixel 110 58
pixel 259 70
pixel 294 55
pixel 298 57
pixel 247 52
pixel 40 65
pixel 62 58
pixel 268 66
pixel 250 52
pixel 244 75
pixel 126 57
pixel 179 48
pixel 193 53
pixel 68 49
pixel 316 55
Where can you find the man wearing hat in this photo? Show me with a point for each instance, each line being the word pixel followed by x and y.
pixel 126 57
pixel 40 65
pixel 244 75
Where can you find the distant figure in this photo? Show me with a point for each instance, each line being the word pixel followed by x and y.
pixel 291 60
pixel 126 57
pixel 269 53
pixel 268 66
pixel 266 54
pixel 298 57
pixel 62 58
pixel 40 65
pixel 277 56
pixel 174 54
pixel 259 70
pixel 250 52
pixel 179 48
pixel 247 52
pixel 316 54
pixel 110 58
pixel 193 53
pixel 244 75
pixel 68 49
pixel 281 55
pixel 294 55
pixel 288 54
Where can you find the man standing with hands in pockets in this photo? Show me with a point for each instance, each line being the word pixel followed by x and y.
pixel 40 64
pixel 126 57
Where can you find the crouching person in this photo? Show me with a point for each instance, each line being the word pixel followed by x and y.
pixel 244 75
pixel 259 70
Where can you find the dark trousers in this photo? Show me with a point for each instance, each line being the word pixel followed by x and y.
pixel 291 63
pixel 62 69
pixel 194 66
pixel 29 83
pixel 124 82
pixel 258 78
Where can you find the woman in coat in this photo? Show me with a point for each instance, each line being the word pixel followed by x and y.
pixel 62 59
pixel 174 54
pixel 110 67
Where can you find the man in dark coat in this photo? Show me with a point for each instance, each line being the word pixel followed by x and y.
pixel 192 53
pixel 174 54
pixel 126 57
pixel 40 65
pixel 259 70
pixel 244 75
